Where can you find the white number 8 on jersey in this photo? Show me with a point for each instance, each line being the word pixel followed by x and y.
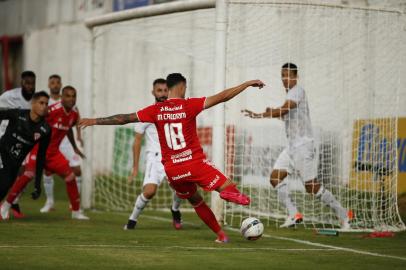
pixel 174 136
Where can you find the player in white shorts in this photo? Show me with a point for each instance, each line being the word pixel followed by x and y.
pixel 18 98
pixel 55 85
pixel 300 154
pixel 154 171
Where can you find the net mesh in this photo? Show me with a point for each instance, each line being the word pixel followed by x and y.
pixel 349 66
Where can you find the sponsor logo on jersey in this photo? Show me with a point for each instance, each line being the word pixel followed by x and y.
pixel 183 154
pixel 171 109
pixel 182 159
pixel 214 181
pixel 37 135
pixel 60 126
pixel 180 176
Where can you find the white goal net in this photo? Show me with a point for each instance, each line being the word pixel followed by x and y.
pixel 349 63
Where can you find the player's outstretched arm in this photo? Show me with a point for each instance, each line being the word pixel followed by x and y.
pixel 272 112
pixel 118 119
pixel 228 94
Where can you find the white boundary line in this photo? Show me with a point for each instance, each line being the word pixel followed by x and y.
pixel 165 247
pixel 331 247
pixel 305 242
pixel 321 247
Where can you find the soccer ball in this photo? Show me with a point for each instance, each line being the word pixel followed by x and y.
pixel 252 228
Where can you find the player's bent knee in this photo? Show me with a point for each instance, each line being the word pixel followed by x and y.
pixel 77 171
pixel 70 177
pixel 195 199
pixel 29 173
pixel 149 191
pixel 149 195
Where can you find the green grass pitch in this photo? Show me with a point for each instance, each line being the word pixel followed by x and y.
pixel 54 241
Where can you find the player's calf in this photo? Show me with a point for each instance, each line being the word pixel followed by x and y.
pixel 207 216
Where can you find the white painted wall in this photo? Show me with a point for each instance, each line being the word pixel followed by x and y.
pixel 18 17
pixel 128 56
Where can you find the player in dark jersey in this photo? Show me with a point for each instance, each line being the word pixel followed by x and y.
pixel 182 155
pixel 25 129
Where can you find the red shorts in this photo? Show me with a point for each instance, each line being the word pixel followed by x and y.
pixel 54 163
pixel 184 179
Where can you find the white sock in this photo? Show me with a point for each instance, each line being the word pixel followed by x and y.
pixel 5 206
pixel 176 202
pixel 49 188
pixel 285 200
pixel 139 205
pixel 328 198
pixel 79 183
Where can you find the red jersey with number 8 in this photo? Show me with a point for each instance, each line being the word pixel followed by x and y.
pixel 175 120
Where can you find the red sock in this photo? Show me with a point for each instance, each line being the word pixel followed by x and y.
pixel 73 193
pixel 18 187
pixel 205 214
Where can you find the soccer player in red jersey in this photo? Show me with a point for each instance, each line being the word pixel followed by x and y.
pixel 182 155
pixel 62 116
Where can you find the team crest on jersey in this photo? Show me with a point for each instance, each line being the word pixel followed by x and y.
pixel 37 135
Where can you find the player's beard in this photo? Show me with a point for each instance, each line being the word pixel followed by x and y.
pixel 27 95
pixel 55 91
pixel 160 99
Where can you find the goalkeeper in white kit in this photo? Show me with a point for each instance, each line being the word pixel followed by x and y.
pixel 154 171
pixel 300 154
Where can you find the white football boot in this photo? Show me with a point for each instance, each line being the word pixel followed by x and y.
pixel 48 207
pixel 292 221
pixel 4 211
pixel 79 215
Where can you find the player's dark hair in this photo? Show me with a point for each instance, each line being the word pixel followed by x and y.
pixel 54 76
pixel 174 78
pixel 292 67
pixel 40 94
pixel 68 87
pixel 28 74
pixel 159 81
